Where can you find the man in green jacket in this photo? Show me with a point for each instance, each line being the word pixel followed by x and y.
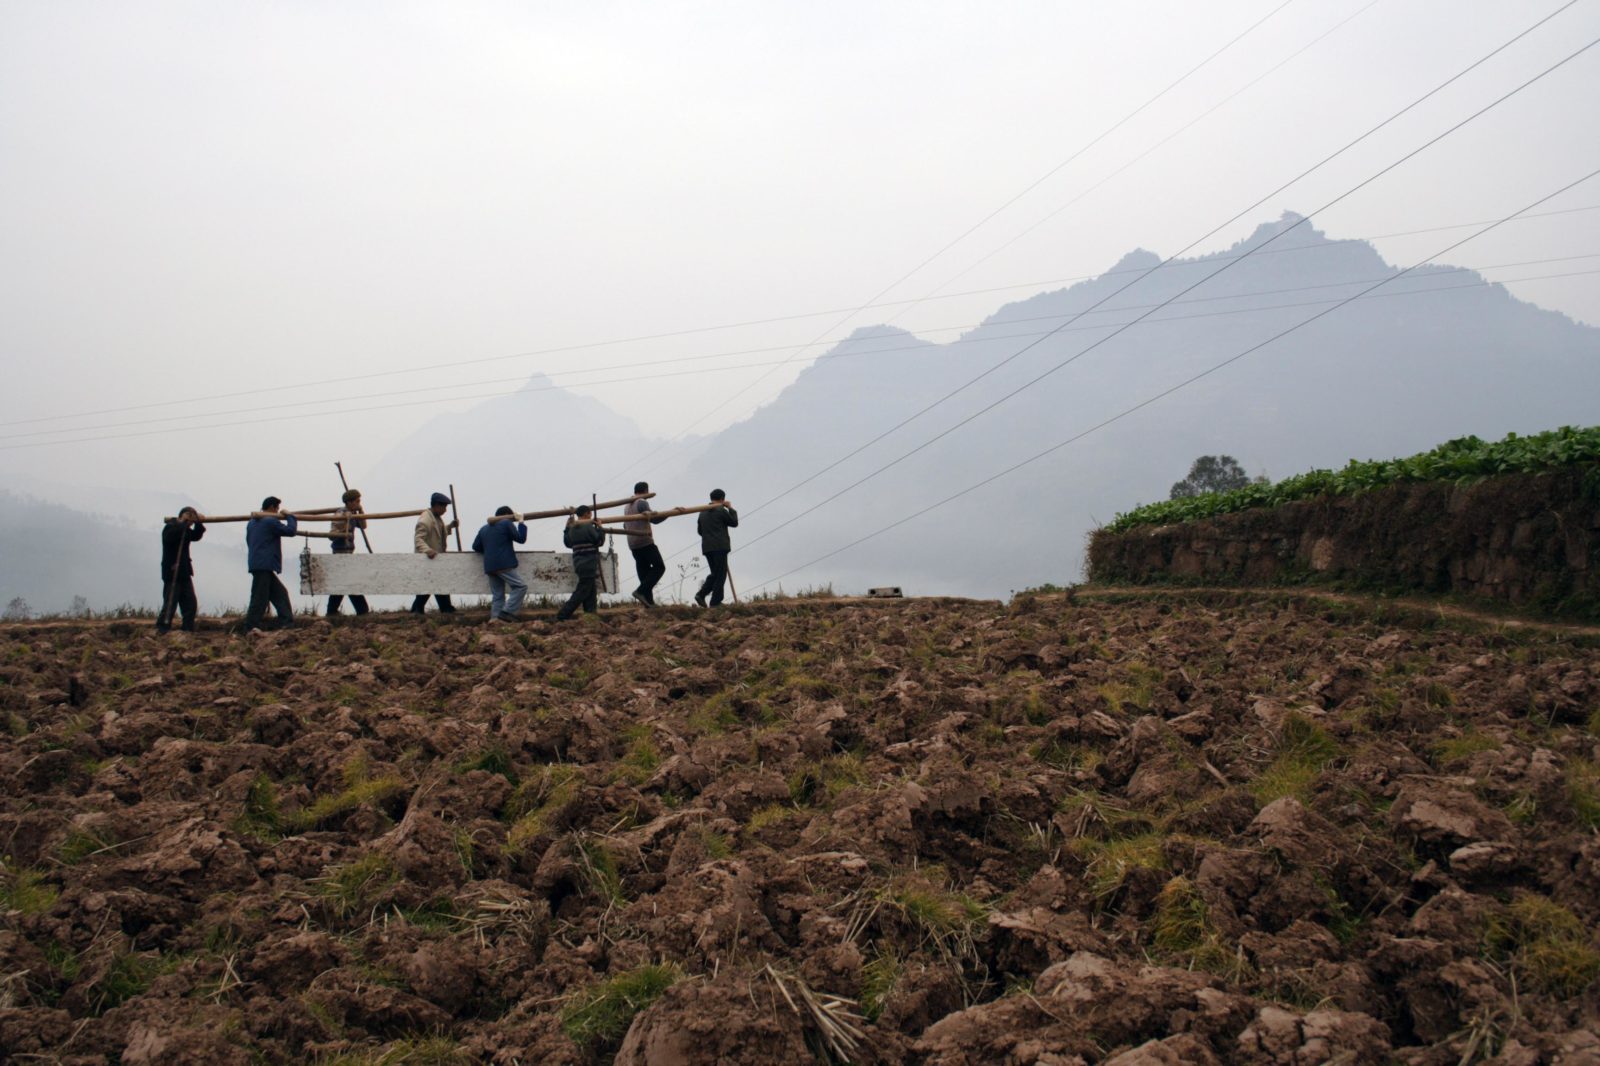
pixel 585 537
pixel 715 544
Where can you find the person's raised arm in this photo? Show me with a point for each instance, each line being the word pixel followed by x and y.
pixel 292 524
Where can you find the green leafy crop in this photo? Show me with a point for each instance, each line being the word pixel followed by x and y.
pixel 1463 459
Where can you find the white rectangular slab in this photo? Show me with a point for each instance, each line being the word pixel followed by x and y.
pixel 451 573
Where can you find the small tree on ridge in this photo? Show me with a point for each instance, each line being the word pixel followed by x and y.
pixel 1211 473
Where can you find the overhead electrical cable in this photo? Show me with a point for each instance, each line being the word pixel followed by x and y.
pixel 343 401
pixel 1165 262
pixel 1122 328
pixel 1108 131
pixel 614 342
pixel 1143 155
pixel 1157 397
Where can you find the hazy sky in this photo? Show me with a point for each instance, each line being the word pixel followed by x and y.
pixel 202 198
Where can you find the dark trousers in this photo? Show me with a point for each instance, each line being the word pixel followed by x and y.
pixel 178 598
pixel 651 567
pixel 587 564
pixel 358 602
pixel 420 604
pixel 718 562
pixel 266 588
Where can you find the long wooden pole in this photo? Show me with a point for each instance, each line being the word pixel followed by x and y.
pixel 528 516
pixel 646 516
pixel 731 586
pixel 456 518
pixel 340 467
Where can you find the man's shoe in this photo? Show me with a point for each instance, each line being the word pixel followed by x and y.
pixel 642 597
pixel 700 598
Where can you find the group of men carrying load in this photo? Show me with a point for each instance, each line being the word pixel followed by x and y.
pixel 585 535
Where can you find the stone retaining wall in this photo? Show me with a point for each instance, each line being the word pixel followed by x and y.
pixel 1526 539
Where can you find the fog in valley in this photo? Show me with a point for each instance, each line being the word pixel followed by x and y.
pixel 930 292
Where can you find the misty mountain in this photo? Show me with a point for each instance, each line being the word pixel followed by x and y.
pixel 54 553
pixel 537 448
pixel 1432 356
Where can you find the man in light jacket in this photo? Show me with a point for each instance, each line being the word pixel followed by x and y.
pixel 263 535
pixel 496 542
pixel 642 542
pixel 430 541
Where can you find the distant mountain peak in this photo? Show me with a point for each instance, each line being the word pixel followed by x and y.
pixel 1289 220
pixel 1138 259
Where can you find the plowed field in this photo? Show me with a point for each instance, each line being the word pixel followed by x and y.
pixel 1167 830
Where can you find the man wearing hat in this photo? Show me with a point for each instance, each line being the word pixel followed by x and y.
pixel 344 543
pixel 429 540
pixel 262 535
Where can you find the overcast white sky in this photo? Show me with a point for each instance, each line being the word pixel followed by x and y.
pixel 199 198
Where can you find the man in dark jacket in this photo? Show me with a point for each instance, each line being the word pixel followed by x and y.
pixel 715 544
pixel 496 543
pixel 177 573
pixel 585 537
pixel 343 540
pixel 262 536
pixel 642 542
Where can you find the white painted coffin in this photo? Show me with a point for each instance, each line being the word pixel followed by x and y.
pixel 451 573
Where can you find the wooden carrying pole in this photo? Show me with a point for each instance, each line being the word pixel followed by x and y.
pixel 647 516
pixel 340 467
pixel 455 517
pixel 528 516
pixel 302 516
pixel 310 513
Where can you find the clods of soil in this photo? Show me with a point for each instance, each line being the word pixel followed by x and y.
pixel 1169 830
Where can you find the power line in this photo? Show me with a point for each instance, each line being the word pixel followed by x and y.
pixel 1152 149
pixel 1164 393
pixel 1332 243
pixel 637 464
pixel 827 358
pixel 1028 347
pixel 1120 329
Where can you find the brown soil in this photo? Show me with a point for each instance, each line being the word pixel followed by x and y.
pixel 1104 830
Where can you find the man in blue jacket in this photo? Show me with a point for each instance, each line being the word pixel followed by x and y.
pixel 495 542
pixel 262 535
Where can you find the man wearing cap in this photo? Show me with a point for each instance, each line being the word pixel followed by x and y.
pixel 496 542
pixel 262 535
pixel 177 573
pixel 344 543
pixel 715 544
pixel 430 541
pixel 585 537
pixel 642 542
